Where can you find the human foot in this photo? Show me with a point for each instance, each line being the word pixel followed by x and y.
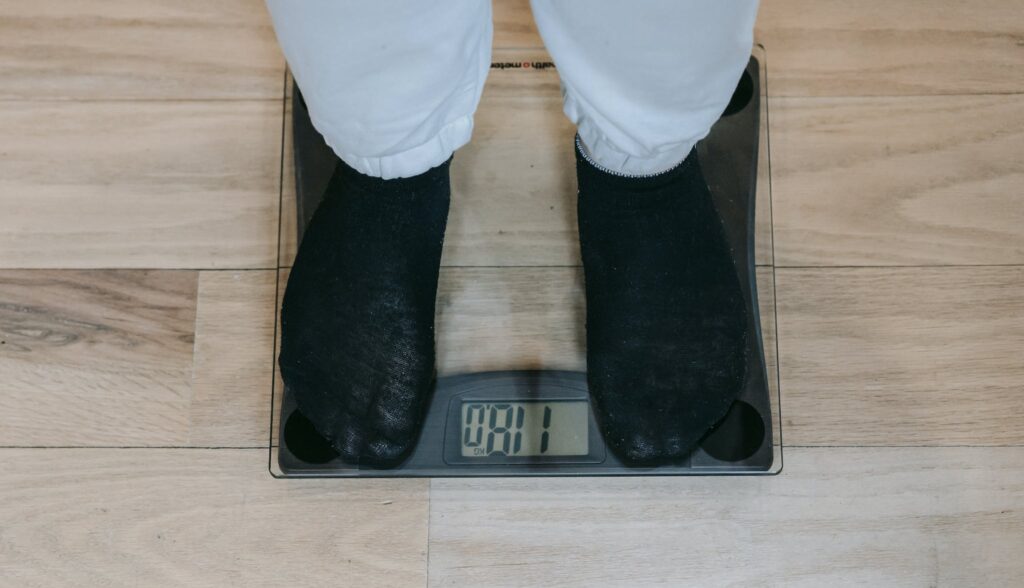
pixel 357 322
pixel 666 318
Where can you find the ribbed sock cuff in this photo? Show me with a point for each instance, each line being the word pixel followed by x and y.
pixel 588 168
pixel 413 184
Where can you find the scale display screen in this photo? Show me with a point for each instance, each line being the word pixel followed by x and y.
pixel 529 429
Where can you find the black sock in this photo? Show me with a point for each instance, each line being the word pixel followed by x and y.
pixel 666 319
pixel 357 322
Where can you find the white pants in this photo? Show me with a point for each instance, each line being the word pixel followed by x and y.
pixel 393 84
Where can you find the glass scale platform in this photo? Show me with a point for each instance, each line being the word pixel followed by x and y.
pixel 539 422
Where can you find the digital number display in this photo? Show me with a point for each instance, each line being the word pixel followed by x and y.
pixel 534 428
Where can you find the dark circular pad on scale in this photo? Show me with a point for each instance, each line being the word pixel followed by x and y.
pixel 736 437
pixel 304 442
pixel 741 96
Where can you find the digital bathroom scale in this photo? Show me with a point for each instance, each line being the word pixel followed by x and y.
pixel 540 423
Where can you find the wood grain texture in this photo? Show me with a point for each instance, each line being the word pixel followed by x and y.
pixel 196 517
pixel 233 360
pixel 508 318
pixel 880 516
pixel 157 49
pixel 139 184
pixel 514 27
pixel 902 356
pixel 146 134
pixel 135 358
pixel 514 188
pixel 887 48
pixel 95 358
pixel 149 49
pixel 891 181
pixel 528 318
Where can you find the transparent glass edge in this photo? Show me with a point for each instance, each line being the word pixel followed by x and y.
pixel 775 393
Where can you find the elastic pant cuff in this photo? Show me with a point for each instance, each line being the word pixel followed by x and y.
pixel 411 162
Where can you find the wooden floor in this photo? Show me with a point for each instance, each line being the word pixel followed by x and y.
pixel 147 219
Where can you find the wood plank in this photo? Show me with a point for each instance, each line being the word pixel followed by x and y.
pixel 533 318
pixel 152 49
pixel 510 318
pixel 233 360
pixel 514 27
pixel 95 357
pixel 528 318
pixel 109 358
pixel 125 49
pixel 198 517
pixel 139 184
pixel 887 48
pixel 507 318
pixel 902 356
pixel 891 181
pixel 525 318
pixel 882 517
pixel 514 185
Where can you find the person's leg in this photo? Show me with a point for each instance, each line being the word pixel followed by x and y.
pixel 666 320
pixel 644 81
pixel 392 86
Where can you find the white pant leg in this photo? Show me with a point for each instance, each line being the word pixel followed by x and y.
pixel 644 81
pixel 392 85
